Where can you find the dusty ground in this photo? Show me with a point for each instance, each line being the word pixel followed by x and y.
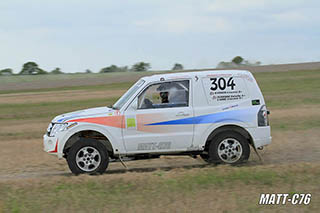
pixel 70 95
pixel 290 146
pixel 287 147
pixel 25 168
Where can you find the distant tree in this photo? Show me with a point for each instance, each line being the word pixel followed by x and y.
pixel 237 60
pixel 141 67
pixel 88 71
pixel 56 71
pixel 177 66
pixel 6 71
pixel 224 64
pixel 31 68
pixel 114 68
pixel 124 69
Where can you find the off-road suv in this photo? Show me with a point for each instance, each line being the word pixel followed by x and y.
pixel 214 114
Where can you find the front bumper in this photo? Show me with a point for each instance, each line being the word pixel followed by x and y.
pixel 50 144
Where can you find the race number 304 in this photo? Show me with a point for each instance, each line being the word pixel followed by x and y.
pixel 277 199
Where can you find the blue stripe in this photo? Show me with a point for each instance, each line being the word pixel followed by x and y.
pixel 242 115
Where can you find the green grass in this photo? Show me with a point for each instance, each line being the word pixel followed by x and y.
pixel 32 78
pixel 49 109
pixel 294 124
pixel 113 86
pixel 287 89
pixel 87 194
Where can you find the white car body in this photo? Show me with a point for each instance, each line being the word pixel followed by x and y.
pixel 233 102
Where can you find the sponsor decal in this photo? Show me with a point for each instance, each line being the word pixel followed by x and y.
pixel 224 89
pixel 256 102
pixel 154 146
pixel 131 123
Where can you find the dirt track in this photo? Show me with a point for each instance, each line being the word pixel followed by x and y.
pixel 287 148
pixel 31 180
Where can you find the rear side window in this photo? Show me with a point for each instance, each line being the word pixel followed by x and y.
pixel 224 89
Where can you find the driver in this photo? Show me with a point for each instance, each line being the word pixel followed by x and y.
pixel 163 92
pixel 164 97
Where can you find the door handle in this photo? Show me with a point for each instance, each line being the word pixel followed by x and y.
pixel 182 114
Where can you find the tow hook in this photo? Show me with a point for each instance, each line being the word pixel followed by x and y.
pixel 260 148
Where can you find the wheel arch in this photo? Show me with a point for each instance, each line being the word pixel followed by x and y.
pixel 92 134
pixel 242 131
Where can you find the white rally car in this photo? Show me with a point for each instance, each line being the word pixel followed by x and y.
pixel 214 114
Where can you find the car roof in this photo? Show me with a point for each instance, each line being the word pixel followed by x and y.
pixel 192 74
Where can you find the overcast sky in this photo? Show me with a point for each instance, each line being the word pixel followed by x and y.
pixel 90 34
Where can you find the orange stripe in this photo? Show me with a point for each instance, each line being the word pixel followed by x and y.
pixel 114 121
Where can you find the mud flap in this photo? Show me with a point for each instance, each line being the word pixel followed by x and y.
pixel 122 162
pixel 256 151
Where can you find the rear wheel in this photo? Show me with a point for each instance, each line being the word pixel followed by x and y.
pixel 88 156
pixel 229 147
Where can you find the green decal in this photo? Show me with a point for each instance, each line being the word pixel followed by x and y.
pixel 131 122
pixel 256 102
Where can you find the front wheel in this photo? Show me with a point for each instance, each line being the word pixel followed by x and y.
pixel 229 147
pixel 88 156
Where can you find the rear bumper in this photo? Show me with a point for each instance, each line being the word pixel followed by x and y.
pixel 261 136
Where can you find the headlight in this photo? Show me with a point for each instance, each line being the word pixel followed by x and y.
pixel 58 128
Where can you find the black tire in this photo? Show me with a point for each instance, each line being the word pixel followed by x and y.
pixel 84 144
pixel 220 139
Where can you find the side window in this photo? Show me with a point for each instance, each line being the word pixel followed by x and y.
pixel 165 95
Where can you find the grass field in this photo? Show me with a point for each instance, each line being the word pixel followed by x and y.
pixel 32 181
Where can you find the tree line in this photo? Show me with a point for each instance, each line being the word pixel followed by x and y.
pixel 32 68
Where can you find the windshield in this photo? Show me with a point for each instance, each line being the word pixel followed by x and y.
pixel 128 94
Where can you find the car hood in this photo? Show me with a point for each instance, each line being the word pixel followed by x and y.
pixel 92 112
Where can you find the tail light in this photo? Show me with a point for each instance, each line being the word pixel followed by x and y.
pixel 263 119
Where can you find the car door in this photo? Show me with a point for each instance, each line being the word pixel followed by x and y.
pixel 159 118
